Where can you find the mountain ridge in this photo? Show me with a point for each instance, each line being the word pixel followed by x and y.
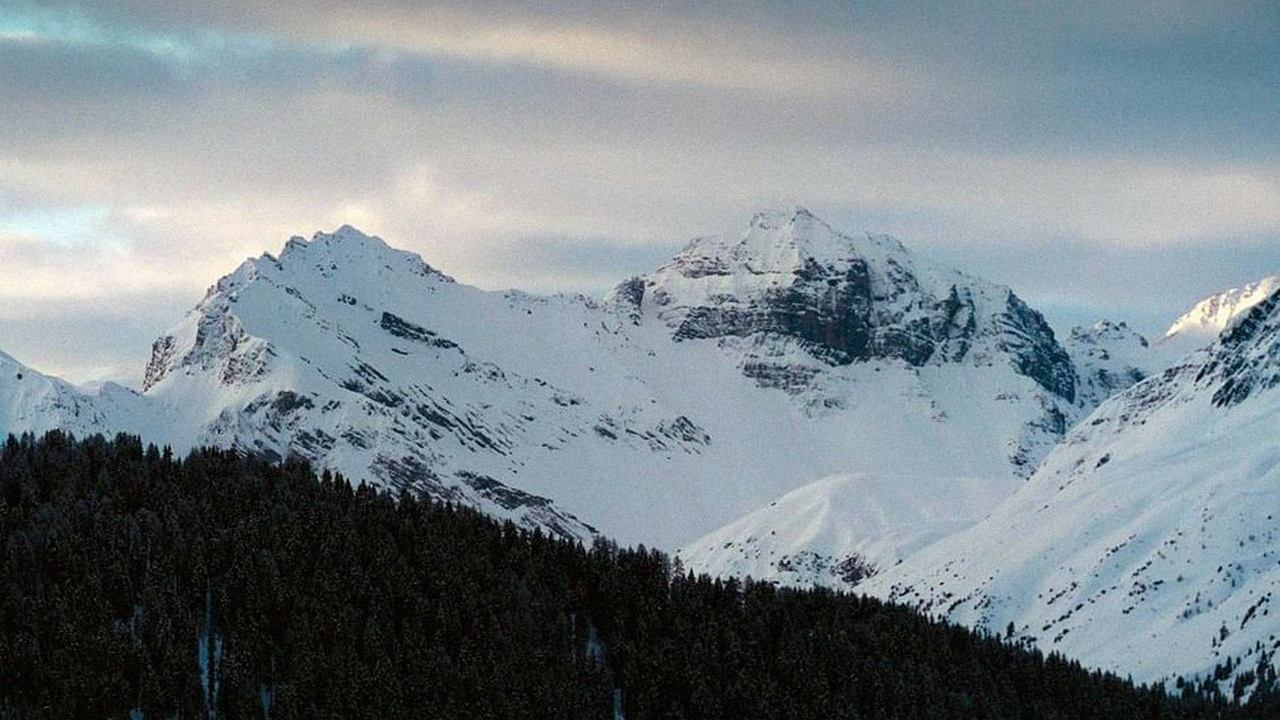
pixel 366 359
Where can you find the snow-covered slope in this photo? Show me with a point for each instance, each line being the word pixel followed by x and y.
pixel 743 369
pixel 36 403
pixel 1202 324
pixel 1147 541
pixel 839 530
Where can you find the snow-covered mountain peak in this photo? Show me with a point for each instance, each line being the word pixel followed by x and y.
pixel 350 252
pixel 1246 358
pixel 781 241
pixel 795 296
pixel 777 217
pixel 1209 317
pixel 1109 357
pixel 310 286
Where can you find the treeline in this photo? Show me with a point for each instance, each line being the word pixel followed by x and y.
pixel 135 584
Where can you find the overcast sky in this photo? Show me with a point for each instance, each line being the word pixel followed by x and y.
pixel 1117 160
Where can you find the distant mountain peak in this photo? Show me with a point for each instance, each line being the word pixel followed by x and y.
pixel 1209 317
pixel 775 217
pixel 350 252
pixel 781 240
pixel 1107 330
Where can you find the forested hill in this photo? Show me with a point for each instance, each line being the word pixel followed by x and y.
pixel 139 585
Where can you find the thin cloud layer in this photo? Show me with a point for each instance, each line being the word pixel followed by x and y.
pixel 563 149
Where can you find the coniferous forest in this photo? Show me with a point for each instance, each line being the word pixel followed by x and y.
pixel 139 585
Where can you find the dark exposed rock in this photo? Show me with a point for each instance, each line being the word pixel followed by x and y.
pixel 413 474
pixel 831 318
pixel 1247 357
pixel 628 297
pixel 313 444
pixel 287 401
pixel 683 430
pixel 839 321
pixel 790 378
pixel 402 328
pixel 1036 352
pixel 467 430
pixel 158 366
pixel 854 569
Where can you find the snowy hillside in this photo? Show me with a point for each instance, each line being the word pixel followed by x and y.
pixel 1153 525
pixel 36 403
pixel 839 530
pixel 743 369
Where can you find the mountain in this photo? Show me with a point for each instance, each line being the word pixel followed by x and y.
pixel 1152 525
pixel 1202 324
pixel 796 297
pixel 1109 357
pixel 841 529
pixel 745 368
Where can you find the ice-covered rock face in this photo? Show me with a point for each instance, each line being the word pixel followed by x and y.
pixel 1153 521
pixel 791 279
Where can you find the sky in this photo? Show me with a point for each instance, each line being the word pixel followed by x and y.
pixel 1117 160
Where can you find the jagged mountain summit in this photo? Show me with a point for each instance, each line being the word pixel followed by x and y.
pixel 795 296
pixel 743 369
pixel 1153 524
pixel 1202 324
